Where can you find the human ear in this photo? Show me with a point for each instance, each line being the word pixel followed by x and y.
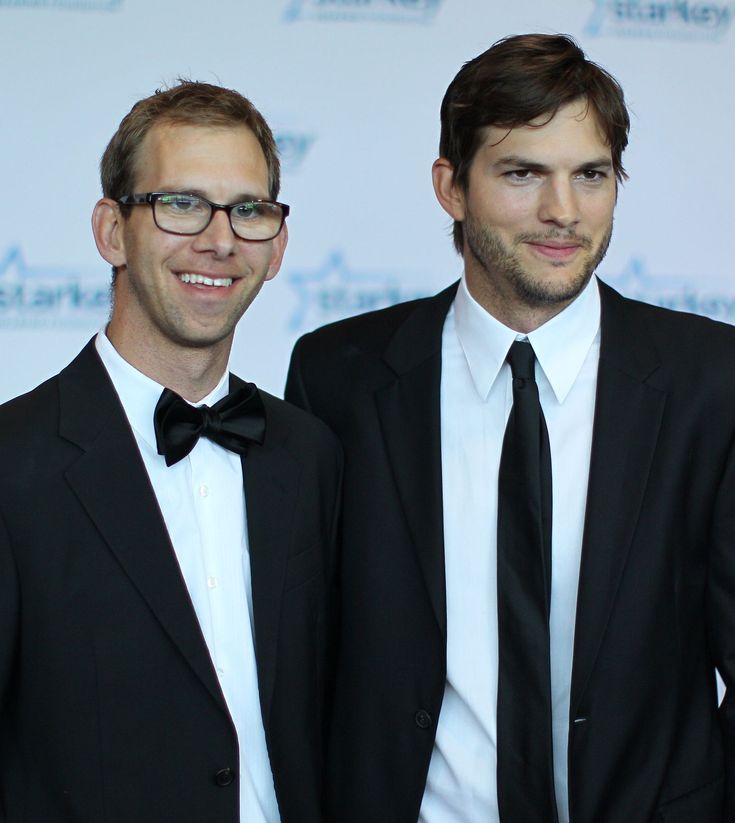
pixel 279 247
pixel 449 194
pixel 107 228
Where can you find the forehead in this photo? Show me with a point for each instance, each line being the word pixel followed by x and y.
pixel 207 158
pixel 573 135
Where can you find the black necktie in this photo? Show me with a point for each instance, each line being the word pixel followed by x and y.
pixel 525 754
pixel 233 422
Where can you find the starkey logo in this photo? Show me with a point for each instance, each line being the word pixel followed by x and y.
pixel 709 296
pixel 293 146
pixel 675 19
pixel 334 290
pixel 69 5
pixel 50 295
pixel 388 11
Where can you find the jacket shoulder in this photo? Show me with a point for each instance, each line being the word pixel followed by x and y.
pixel 30 411
pixel 673 331
pixel 298 424
pixel 372 330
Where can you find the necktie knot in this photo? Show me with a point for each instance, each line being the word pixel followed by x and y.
pixel 233 422
pixel 521 359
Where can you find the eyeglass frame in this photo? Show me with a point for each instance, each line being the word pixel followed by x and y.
pixel 150 198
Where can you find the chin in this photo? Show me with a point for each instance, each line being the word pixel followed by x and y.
pixel 539 292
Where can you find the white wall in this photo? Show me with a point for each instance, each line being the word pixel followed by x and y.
pixel 352 89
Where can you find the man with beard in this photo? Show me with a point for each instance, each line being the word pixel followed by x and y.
pixel 538 569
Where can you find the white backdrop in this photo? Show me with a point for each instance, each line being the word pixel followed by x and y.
pixel 352 89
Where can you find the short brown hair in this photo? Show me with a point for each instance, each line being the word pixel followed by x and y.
pixel 517 80
pixel 186 103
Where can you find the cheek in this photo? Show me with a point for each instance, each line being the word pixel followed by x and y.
pixel 600 216
pixel 147 251
pixel 599 207
pixel 170 252
pixel 502 209
pixel 513 217
pixel 257 258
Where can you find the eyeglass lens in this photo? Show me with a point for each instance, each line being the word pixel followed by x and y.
pixel 188 214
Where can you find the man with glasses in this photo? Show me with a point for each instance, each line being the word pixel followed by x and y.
pixel 166 529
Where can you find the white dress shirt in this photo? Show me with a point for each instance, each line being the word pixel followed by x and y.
pixel 203 505
pixel 476 398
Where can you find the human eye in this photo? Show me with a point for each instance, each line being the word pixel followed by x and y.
pixel 182 203
pixel 592 175
pixel 519 174
pixel 523 176
pixel 246 211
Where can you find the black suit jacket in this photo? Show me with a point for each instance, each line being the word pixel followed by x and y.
pixel 111 711
pixel 656 602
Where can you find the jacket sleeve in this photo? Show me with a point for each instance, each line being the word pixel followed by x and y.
pixel 721 615
pixel 295 391
pixel 9 606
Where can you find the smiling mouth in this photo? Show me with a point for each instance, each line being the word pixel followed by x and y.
pixel 201 280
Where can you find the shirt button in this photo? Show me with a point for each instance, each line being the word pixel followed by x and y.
pixel 423 719
pixel 211 582
pixel 203 490
pixel 220 671
pixel 224 777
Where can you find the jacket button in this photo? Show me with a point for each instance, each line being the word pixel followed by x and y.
pixel 423 719
pixel 224 777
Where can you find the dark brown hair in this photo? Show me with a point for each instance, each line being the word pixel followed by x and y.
pixel 186 103
pixel 520 79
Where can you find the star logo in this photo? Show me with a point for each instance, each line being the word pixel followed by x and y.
pixel 709 296
pixel 678 20
pixel 333 291
pixel 382 11
pixel 49 295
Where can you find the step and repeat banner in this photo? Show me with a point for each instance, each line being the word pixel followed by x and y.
pixel 352 89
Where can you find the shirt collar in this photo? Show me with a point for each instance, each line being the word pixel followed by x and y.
pixel 138 393
pixel 561 344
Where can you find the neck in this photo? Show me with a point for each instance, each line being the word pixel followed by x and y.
pixel 506 306
pixel 193 378
pixel 190 372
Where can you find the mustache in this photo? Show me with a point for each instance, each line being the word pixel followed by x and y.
pixel 581 240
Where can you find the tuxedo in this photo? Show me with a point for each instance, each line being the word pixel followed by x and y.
pixel 111 710
pixel 656 594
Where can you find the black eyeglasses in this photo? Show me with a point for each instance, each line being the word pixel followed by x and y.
pixel 178 213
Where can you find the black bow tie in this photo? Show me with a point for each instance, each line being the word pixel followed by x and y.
pixel 233 422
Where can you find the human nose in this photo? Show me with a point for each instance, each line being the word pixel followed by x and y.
pixel 218 237
pixel 559 203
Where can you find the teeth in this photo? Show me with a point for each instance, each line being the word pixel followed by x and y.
pixel 205 281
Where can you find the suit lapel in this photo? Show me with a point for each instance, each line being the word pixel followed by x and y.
pixel 112 485
pixel 409 413
pixel 271 480
pixel 628 412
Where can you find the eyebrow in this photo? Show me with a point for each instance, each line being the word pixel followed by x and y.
pixel 516 161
